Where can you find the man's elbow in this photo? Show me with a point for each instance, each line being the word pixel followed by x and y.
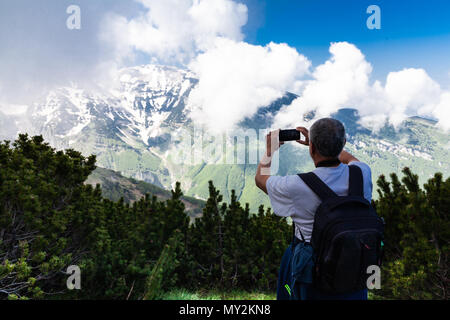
pixel 257 181
pixel 260 182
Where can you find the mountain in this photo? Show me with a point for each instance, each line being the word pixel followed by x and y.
pixel 115 186
pixel 131 130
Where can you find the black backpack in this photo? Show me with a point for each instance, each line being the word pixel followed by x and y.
pixel 347 236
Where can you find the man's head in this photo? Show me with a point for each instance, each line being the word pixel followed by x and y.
pixel 326 139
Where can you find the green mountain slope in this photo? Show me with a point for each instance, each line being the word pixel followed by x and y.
pixel 418 144
pixel 115 186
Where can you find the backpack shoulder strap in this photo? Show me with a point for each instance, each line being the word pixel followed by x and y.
pixel 355 184
pixel 317 186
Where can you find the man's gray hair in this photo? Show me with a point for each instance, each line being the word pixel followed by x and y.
pixel 328 136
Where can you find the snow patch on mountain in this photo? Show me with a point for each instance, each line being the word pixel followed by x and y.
pixel 396 149
pixel 138 108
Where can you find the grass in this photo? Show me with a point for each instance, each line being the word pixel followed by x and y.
pixel 182 294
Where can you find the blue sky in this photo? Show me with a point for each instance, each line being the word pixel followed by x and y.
pixel 414 33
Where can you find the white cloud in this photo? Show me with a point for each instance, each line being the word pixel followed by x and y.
pixel 13 109
pixel 175 30
pixel 344 81
pixel 237 78
pixel 336 82
pixel 442 111
pixel 9 108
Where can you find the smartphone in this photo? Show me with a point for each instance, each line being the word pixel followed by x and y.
pixel 289 135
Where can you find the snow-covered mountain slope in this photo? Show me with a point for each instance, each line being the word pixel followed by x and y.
pixel 144 100
pixel 129 129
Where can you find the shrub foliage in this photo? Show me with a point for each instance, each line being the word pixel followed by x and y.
pixel 50 219
pixel 417 235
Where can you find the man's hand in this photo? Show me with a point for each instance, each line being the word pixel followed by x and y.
pixel 263 171
pixel 273 137
pixel 305 132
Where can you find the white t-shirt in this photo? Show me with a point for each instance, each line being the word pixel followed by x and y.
pixel 291 197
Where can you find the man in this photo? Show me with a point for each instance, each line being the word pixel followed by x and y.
pixel 291 197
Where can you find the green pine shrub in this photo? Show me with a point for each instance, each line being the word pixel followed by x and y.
pixel 417 237
pixel 50 219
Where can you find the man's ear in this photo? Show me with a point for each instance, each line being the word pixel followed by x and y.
pixel 312 149
pixel 345 142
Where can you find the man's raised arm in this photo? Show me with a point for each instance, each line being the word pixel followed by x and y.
pixel 346 157
pixel 263 170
